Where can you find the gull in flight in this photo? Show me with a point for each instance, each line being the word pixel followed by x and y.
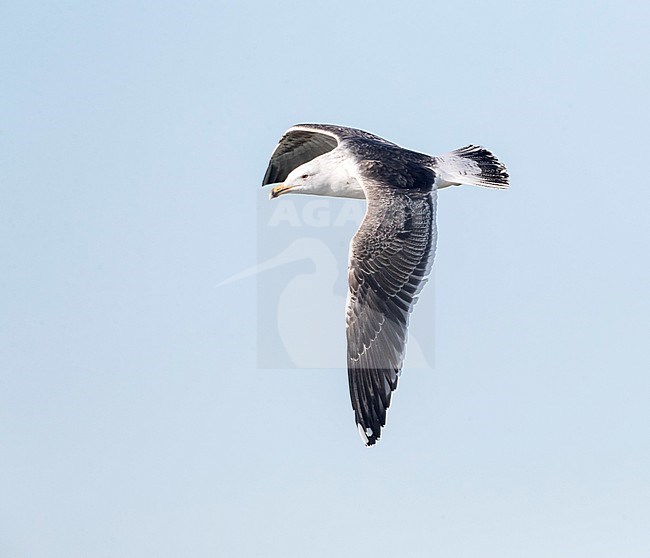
pixel 392 252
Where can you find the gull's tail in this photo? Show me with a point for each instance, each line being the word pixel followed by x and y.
pixel 472 165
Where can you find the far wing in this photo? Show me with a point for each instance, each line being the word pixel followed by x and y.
pixel 299 145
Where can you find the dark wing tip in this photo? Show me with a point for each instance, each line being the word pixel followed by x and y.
pixel 270 175
pixel 370 392
pixel 368 436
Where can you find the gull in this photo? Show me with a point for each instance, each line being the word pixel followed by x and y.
pixel 392 252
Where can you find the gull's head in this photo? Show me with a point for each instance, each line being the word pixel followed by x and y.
pixel 310 178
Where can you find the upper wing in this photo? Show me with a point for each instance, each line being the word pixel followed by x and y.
pixel 390 256
pixel 297 146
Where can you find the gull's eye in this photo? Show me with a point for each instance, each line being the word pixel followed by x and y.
pixel 304 176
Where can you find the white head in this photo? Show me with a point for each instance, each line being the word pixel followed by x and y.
pixel 326 175
pixel 309 178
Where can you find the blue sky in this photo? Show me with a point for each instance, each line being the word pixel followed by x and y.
pixel 135 419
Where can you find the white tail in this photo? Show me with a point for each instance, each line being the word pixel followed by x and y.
pixel 472 165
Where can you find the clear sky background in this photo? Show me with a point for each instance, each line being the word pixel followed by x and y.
pixel 134 419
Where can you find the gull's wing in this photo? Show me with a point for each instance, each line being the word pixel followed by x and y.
pixel 299 145
pixel 303 142
pixel 390 256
